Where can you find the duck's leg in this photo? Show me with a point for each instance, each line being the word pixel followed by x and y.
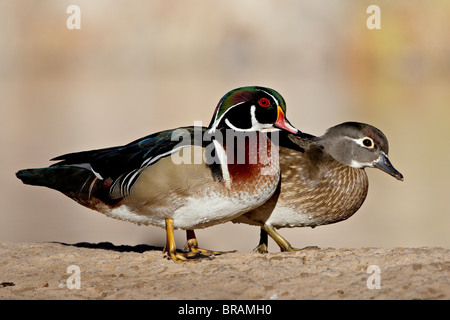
pixel 171 248
pixel 280 241
pixel 192 246
pixel 263 242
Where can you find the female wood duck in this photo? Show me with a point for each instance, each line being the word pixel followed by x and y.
pixel 322 181
pixel 158 180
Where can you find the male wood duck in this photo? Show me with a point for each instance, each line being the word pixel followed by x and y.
pixel 186 178
pixel 323 180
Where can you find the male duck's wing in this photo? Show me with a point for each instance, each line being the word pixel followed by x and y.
pixel 118 162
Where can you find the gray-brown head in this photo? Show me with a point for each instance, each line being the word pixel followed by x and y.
pixel 358 145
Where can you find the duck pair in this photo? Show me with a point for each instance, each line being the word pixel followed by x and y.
pixel 254 167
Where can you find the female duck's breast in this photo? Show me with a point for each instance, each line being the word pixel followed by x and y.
pixel 333 193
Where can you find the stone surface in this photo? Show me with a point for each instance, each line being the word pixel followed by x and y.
pixel 39 271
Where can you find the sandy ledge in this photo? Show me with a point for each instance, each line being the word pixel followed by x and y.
pixel 39 271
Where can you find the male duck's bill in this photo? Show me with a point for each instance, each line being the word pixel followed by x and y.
pixel 283 123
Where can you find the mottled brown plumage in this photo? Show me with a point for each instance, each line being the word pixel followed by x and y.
pixel 314 186
pixel 323 179
pixel 330 191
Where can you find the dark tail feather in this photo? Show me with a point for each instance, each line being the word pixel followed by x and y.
pixel 74 182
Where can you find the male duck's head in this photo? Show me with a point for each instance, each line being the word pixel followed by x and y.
pixel 251 109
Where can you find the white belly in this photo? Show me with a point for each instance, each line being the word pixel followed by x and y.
pixel 195 213
pixel 279 217
pixel 285 217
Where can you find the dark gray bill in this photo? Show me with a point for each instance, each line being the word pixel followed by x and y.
pixel 385 165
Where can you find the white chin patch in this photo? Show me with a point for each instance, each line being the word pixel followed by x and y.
pixel 359 165
pixel 270 129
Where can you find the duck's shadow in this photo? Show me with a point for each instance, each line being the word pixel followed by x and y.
pixel 140 248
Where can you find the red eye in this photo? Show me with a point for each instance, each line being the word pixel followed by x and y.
pixel 264 102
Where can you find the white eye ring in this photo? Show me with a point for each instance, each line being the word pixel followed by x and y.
pixel 365 142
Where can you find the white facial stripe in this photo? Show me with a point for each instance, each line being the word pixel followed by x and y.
pixel 256 127
pixel 357 164
pixel 270 95
pixel 217 121
pixel 255 124
pixel 360 142
pixel 252 113
pixel 233 127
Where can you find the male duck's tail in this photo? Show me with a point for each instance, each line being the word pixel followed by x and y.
pixel 77 183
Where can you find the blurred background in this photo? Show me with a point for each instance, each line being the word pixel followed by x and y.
pixel 138 67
